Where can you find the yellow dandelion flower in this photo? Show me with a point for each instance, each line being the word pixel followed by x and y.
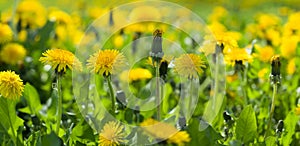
pixel 218 13
pixel 95 12
pixel 165 131
pixel 11 86
pixel 13 53
pixel 179 138
pixel 288 46
pixel 118 41
pixel 267 20
pixel 106 62
pixel 166 58
pixel 6 34
pixel 31 13
pixel 237 55
pixel 291 67
pixel 263 74
pixel 144 13
pixel 265 53
pixel 231 78
pixel 60 60
pixel 60 17
pixel 297 110
pixel 112 134
pixel 135 75
pixel 189 65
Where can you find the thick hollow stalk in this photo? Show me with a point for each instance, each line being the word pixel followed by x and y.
pixel 59 106
pixel 158 99
pixel 111 91
pixel 275 88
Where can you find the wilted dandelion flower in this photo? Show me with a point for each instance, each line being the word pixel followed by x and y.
pixel 112 134
pixel 12 53
pixel 136 74
pixel 106 62
pixel 189 65
pixel 11 86
pixel 6 34
pixel 60 60
pixel 164 131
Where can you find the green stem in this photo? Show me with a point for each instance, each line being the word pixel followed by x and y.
pixel 190 99
pixel 275 88
pixel 59 110
pixel 11 125
pixel 243 77
pixel 157 92
pixel 113 100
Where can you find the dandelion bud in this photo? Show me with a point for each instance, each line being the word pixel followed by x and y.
pixel 275 72
pixel 156 52
pixel 275 62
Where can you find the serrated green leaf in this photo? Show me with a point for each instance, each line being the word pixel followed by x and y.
pixel 246 127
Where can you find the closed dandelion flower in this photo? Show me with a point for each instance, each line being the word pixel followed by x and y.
pixel 11 86
pixel 112 134
pixel 106 62
pixel 6 34
pixel 165 131
pixel 136 74
pixel 189 65
pixel 60 60
pixel 12 53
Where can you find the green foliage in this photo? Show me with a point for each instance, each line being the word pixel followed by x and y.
pixel 246 127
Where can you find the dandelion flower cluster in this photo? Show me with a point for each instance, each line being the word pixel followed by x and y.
pixel 136 74
pixel 112 134
pixel 6 34
pixel 11 86
pixel 13 53
pixel 189 65
pixel 165 131
pixel 106 62
pixel 60 60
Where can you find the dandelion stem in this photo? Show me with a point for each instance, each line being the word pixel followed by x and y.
pixel 275 88
pixel 190 100
pixel 157 92
pixel 113 100
pixel 11 125
pixel 59 107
